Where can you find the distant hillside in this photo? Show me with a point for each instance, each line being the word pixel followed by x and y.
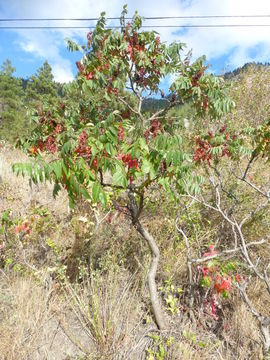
pixel 152 104
pixel 237 71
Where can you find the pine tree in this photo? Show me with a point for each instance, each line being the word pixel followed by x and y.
pixel 41 86
pixel 12 113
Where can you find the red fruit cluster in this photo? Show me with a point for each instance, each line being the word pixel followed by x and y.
pixel 95 164
pixel 204 103
pixel 51 127
pixel 203 151
pixel 154 129
pixel 125 114
pixel 111 89
pixel 128 161
pixel 131 163
pixel 134 45
pixel 83 138
pixel 223 128
pixel 196 77
pixel 225 152
pixel 90 75
pixel 147 135
pixel 47 120
pixel 145 75
pixel 51 145
pixel 80 67
pixel 59 128
pixel 120 134
pixel 82 149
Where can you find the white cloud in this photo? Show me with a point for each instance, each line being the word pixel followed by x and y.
pixel 234 43
pixel 62 73
pixel 44 45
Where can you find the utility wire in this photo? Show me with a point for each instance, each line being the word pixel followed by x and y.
pixel 145 18
pixel 143 26
pixel 18 27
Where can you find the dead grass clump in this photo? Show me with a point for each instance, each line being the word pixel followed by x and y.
pixel 24 309
pixel 241 334
pixel 107 309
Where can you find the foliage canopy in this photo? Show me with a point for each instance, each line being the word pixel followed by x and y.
pixel 105 141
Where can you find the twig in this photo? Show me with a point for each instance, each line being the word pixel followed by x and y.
pixel 123 101
pixel 230 251
pixel 189 264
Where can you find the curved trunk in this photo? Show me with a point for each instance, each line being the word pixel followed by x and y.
pixel 135 211
pixel 152 275
pixel 264 323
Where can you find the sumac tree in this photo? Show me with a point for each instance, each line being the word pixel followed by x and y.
pixel 106 143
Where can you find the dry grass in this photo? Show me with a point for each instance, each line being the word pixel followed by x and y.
pixel 26 311
pixel 30 322
pixel 102 319
pixel 15 192
pixel 241 333
pixel 106 316
pixel 108 309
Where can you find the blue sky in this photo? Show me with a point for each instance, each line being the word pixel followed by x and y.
pixel 225 48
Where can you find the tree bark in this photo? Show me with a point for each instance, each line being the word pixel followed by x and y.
pixel 135 211
pixel 264 324
pixel 156 307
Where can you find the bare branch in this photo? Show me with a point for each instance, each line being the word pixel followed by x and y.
pixel 235 236
pixel 244 179
pixel 123 101
pixel 254 187
pixel 161 113
pixel 245 297
pixel 266 278
pixel 217 209
pixel 246 254
pixel 253 212
pixel 131 81
pixel 230 251
pixel 252 158
pixel 228 193
pixel 264 321
pixel 140 102
pixel 189 263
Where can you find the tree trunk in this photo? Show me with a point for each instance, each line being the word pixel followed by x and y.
pixel 135 211
pixel 264 323
pixel 152 275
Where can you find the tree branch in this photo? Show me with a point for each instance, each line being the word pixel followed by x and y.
pixel 189 264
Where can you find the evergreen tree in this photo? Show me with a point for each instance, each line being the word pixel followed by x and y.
pixel 41 86
pixel 12 114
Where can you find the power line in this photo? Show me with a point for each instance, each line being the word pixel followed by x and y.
pixel 143 26
pixel 145 18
